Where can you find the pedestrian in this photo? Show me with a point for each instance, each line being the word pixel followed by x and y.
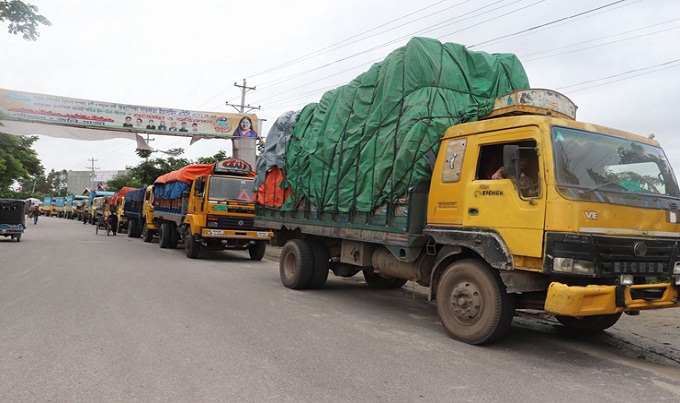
pixel 35 213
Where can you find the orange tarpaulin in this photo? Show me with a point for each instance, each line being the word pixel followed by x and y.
pixel 186 174
pixel 270 193
pixel 114 200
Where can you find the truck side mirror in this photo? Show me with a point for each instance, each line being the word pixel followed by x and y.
pixel 511 160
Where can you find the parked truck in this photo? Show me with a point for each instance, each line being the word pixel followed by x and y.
pixel 70 205
pixel 133 211
pixel 58 203
pixel 46 207
pixel 79 206
pixel 92 213
pixel 118 203
pixel 208 206
pixel 486 192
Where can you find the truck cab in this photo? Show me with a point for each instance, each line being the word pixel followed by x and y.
pixel 596 234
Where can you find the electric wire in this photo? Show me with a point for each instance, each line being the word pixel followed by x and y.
pixel 335 45
pixel 573 16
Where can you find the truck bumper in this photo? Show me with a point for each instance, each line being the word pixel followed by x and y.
pixel 609 299
pixel 236 234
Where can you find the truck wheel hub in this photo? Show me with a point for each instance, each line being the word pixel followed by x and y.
pixel 466 302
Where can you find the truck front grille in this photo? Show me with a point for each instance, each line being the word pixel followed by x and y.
pixel 235 223
pixel 634 256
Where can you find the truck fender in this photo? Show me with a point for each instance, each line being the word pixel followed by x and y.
pixel 446 255
pixel 190 223
pixel 487 244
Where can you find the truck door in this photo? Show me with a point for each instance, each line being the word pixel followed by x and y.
pixel 513 207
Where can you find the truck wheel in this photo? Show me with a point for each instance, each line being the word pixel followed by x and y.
pixel 377 281
pixel 191 245
pixel 472 302
pixel 147 235
pixel 321 264
pixel 296 264
pixel 132 227
pixel 164 235
pixel 588 324
pixel 174 236
pixel 256 250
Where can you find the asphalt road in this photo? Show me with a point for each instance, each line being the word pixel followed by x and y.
pixel 87 317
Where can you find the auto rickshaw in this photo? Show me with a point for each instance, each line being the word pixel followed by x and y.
pixel 12 218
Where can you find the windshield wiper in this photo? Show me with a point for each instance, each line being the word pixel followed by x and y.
pixel 614 184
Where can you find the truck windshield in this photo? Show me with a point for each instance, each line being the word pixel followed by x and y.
pixel 593 161
pixel 225 188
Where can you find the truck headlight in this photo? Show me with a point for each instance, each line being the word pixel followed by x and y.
pixel 676 268
pixel 574 266
pixel 626 279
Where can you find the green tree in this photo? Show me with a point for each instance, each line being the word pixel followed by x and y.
pixel 148 171
pixel 121 181
pixel 219 156
pixel 58 181
pixel 18 161
pixel 22 18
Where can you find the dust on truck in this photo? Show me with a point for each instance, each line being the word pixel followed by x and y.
pixel 208 206
pixel 584 222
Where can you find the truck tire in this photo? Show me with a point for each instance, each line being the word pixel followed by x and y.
pixel 256 250
pixel 321 264
pixel 164 235
pixel 588 324
pixel 191 246
pixel 174 236
pixel 296 264
pixel 377 281
pixel 132 228
pixel 472 302
pixel 147 234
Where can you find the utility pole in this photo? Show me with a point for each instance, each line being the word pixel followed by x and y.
pixel 242 108
pixel 92 172
pixel 244 148
pixel 147 143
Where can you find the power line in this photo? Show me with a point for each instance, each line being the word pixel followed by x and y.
pixel 335 45
pixel 640 70
pixel 568 18
pixel 603 37
pixel 535 27
pixel 394 41
pixel 462 17
pixel 599 45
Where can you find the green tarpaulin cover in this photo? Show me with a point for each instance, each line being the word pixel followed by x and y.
pixel 366 143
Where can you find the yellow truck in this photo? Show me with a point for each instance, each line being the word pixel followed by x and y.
pixel 208 206
pixel 526 208
pixel 441 165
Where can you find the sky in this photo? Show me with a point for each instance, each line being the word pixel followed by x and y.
pixel 617 60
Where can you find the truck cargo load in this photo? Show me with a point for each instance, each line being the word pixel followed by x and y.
pixel 366 143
